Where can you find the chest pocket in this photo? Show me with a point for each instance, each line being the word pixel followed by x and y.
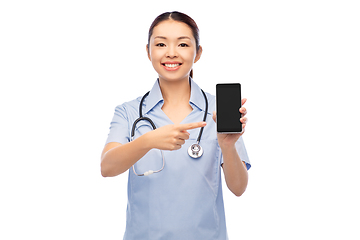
pixel 207 166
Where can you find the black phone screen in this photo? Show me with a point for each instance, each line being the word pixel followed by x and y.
pixel 228 103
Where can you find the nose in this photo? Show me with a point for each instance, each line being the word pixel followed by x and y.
pixel 171 53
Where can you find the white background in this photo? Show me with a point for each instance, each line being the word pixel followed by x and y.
pixel 65 65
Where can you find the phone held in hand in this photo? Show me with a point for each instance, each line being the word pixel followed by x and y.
pixel 228 103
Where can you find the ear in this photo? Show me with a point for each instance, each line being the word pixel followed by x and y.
pixel 147 50
pixel 198 54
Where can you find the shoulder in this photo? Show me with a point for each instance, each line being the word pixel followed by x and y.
pixel 128 108
pixel 133 104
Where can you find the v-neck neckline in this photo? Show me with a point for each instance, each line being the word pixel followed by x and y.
pixel 170 121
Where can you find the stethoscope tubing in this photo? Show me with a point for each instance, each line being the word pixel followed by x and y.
pixel 141 118
pixel 204 119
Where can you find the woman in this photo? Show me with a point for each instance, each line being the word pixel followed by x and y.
pixel 184 199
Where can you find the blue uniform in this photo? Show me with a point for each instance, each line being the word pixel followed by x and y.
pixel 184 200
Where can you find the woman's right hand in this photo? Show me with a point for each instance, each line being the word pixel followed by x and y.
pixel 171 137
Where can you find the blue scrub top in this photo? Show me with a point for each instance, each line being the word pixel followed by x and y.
pixel 184 200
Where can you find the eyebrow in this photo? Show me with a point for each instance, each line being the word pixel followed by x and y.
pixel 182 37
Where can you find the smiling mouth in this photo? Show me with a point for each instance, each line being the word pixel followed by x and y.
pixel 172 65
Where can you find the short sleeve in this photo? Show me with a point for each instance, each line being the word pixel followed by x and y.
pixel 119 126
pixel 240 148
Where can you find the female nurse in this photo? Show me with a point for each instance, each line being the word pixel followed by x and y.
pixel 184 200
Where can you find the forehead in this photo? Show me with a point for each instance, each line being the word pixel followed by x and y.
pixel 172 29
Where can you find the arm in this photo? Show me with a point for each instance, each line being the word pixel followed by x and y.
pixel 235 171
pixel 117 158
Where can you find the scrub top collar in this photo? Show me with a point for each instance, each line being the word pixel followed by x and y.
pixel 155 96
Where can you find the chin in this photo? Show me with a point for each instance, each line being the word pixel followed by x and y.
pixel 174 77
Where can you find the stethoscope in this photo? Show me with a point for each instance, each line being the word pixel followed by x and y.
pixel 194 151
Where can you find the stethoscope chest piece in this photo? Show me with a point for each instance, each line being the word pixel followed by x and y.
pixel 195 151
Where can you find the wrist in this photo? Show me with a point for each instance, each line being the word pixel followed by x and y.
pixel 145 142
pixel 227 147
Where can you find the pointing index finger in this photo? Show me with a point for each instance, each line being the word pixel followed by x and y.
pixel 188 126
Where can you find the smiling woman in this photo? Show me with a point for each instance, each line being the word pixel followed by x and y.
pixel 167 205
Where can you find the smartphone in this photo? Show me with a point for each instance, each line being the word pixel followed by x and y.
pixel 228 103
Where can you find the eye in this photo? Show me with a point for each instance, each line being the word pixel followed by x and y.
pixel 160 45
pixel 183 45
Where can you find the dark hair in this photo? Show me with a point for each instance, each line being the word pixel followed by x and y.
pixel 180 17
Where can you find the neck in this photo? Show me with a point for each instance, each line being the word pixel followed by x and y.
pixel 175 92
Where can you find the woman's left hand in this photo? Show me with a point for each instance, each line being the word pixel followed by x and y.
pixel 229 140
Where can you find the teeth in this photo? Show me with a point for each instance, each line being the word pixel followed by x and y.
pixel 172 65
